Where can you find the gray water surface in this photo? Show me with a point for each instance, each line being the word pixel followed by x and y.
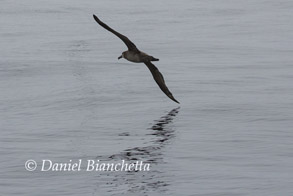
pixel 65 96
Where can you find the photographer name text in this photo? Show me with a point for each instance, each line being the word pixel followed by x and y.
pixel 86 165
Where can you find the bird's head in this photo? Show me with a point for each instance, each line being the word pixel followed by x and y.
pixel 122 55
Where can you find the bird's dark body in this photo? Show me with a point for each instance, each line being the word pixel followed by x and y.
pixel 138 57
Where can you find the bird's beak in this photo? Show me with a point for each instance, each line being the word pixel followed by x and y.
pixel 120 57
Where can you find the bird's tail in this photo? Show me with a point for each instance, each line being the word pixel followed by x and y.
pixel 154 59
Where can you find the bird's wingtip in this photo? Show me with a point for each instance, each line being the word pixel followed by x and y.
pixel 174 99
pixel 95 17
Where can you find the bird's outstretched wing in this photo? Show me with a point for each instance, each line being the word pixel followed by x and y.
pixel 160 80
pixel 128 43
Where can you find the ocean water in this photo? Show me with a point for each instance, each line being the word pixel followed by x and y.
pixel 65 96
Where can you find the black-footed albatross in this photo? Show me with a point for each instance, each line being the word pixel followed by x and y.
pixel 137 56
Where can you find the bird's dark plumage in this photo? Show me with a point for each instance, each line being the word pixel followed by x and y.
pixel 134 55
pixel 160 80
pixel 131 46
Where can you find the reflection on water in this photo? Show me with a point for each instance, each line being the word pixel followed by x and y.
pixel 143 182
pixel 162 131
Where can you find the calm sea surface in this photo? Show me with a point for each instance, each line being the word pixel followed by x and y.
pixel 65 96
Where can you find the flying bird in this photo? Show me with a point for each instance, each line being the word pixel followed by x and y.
pixel 137 56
